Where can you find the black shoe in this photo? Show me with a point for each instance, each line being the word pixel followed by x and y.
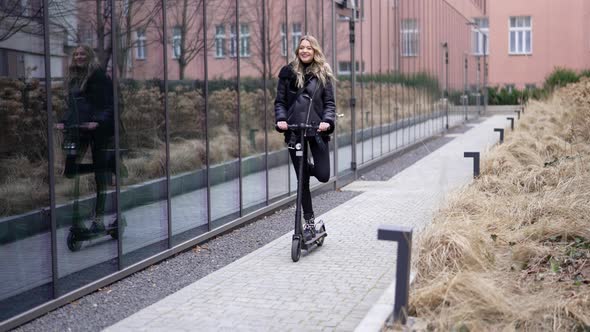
pixel 114 224
pixel 97 227
pixel 309 229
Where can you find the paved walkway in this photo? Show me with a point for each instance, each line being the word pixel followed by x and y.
pixel 335 286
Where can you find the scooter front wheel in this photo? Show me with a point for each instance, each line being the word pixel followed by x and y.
pixel 295 250
pixel 73 243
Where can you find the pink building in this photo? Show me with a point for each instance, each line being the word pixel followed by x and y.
pixel 522 43
pixel 527 41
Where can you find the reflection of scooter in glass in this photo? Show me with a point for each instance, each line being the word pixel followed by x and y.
pixel 304 236
pixel 74 147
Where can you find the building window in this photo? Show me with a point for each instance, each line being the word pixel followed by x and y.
pixel 220 41
pixel 283 39
pixel 232 41
pixel 140 47
pixel 410 37
pixel 296 35
pixel 176 39
pixel 480 33
pixel 87 36
pixel 344 67
pixel 244 40
pixel 521 35
pixel 360 12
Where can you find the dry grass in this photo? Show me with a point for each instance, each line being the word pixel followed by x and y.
pixel 512 250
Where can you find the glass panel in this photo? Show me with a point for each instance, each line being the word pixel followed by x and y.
pixel 255 108
pixel 513 22
pixel 512 41
pixel 186 116
pixel 528 41
pixel 343 92
pixel 314 19
pixel 83 104
pixel 223 124
pixel 278 55
pixel 142 131
pixel 25 241
pixel 520 41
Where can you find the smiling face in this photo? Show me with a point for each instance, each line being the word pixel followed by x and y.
pixel 305 52
pixel 80 57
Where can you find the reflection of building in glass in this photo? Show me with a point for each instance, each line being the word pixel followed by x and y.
pixel 21 38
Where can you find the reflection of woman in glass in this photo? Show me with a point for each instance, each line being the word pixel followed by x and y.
pixel 89 122
pixel 307 77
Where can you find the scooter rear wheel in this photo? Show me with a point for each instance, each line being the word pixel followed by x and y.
pixel 73 243
pixel 320 241
pixel 295 250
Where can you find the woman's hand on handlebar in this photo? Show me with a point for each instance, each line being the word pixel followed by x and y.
pixel 282 125
pixel 324 126
pixel 83 125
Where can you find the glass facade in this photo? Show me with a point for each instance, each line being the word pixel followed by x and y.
pixel 132 127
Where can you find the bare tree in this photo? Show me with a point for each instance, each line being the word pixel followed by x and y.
pixel 17 16
pixel 267 35
pixel 185 32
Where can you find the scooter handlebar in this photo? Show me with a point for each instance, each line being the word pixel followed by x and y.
pixel 301 126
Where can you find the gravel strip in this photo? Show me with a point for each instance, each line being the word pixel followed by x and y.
pixel 126 297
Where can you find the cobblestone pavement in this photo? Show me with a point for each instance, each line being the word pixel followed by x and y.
pixel 333 287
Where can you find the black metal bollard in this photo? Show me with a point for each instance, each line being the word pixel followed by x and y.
pixel 511 122
pixel 518 113
pixel 403 236
pixel 501 131
pixel 475 156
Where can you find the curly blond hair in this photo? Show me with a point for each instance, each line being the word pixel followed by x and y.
pixel 80 75
pixel 318 67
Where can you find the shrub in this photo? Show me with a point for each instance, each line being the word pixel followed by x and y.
pixel 503 96
pixel 560 77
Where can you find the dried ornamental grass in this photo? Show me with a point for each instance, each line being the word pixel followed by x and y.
pixel 512 251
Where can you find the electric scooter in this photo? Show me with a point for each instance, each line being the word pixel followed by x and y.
pixel 79 233
pixel 304 237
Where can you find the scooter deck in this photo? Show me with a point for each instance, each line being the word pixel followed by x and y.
pixel 312 241
pixel 87 234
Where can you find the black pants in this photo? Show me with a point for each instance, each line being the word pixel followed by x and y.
pixel 100 167
pixel 320 169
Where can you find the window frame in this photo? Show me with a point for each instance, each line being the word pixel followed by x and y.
pixel 284 39
pixel 410 38
pixel 480 37
pixel 244 40
pixel 176 42
pixel 233 41
pixel 296 35
pixel 141 44
pixel 220 41
pixel 522 31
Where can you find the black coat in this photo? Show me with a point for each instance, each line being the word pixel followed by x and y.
pixel 93 104
pixel 323 104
